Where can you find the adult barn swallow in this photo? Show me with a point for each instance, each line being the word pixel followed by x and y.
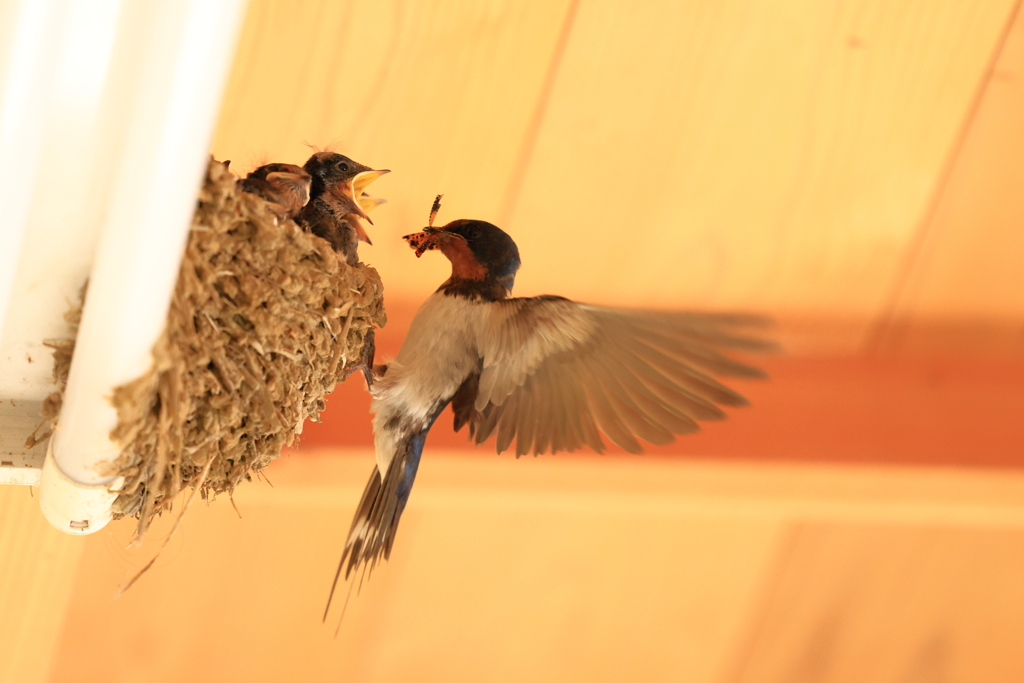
pixel 334 210
pixel 545 372
pixel 284 186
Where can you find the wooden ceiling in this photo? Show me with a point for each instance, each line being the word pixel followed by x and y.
pixel 574 569
pixel 855 169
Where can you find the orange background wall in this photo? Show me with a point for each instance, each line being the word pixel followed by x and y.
pixel 854 169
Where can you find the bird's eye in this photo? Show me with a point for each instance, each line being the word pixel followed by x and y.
pixel 342 166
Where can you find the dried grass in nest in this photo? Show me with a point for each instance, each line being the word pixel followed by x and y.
pixel 264 322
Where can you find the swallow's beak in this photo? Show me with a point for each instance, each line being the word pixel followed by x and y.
pixel 360 201
pixel 360 181
pixel 296 183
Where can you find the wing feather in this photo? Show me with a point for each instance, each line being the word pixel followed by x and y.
pixel 685 376
pixel 508 414
pixel 556 375
pixel 607 416
pixel 687 352
pixel 664 413
pixel 657 371
pixel 545 425
pixel 488 421
pixel 526 425
pixel 639 421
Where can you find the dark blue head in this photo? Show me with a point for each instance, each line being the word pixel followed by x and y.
pixel 491 247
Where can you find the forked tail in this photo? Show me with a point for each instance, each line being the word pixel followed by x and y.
pixel 373 529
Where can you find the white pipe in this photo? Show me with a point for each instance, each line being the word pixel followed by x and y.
pixel 182 52
pixel 22 92
pixel 64 218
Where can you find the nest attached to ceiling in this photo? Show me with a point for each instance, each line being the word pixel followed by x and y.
pixel 265 320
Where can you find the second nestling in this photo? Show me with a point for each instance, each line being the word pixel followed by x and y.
pixel 284 186
pixel 326 197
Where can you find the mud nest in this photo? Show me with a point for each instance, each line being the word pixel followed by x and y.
pixel 265 320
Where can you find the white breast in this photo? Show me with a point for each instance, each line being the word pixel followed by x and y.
pixel 437 355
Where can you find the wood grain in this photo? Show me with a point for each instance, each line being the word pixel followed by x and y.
pixel 558 569
pixel 892 604
pixel 966 276
pixel 499 573
pixel 38 566
pixel 774 158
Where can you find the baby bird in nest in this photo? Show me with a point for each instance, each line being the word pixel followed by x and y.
pixel 337 202
pixel 285 187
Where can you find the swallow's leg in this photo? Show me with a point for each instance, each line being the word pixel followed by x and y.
pixel 366 362
pixel 369 351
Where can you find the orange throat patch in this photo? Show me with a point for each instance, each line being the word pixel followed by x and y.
pixel 464 264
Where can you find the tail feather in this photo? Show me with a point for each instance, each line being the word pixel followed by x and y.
pixel 376 520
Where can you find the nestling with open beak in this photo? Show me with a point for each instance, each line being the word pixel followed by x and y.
pixel 285 187
pixel 545 372
pixel 336 202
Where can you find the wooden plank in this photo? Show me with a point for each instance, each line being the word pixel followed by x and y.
pixel 747 154
pixel 487 582
pixel 891 604
pixel 38 566
pixel 964 288
pixel 547 569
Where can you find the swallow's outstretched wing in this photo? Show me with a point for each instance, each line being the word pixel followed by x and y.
pixel 556 374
